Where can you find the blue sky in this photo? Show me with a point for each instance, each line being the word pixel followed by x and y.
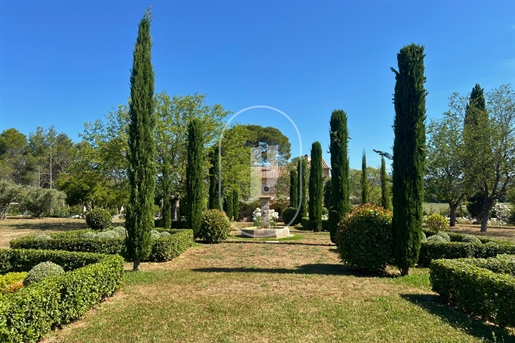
pixel 63 63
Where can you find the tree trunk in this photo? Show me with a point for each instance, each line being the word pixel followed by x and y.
pixel 452 220
pixel 136 264
pixel 486 211
pixel 404 271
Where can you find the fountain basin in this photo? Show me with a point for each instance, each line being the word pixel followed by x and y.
pixel 256 232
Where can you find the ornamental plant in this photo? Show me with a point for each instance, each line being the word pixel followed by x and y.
pixel 215 227
pixel 436 222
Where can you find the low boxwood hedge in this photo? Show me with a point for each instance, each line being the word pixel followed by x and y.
pixel 482 287
pixel 29 313
pixel 163 249
pixel 457 249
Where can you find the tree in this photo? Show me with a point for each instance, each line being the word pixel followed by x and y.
pixel 489 138
pixel 373 185
pixel 364 180
pixel 340 189
pixel 38 200
pixel 16 162
pixel 316 187
pixel 302 166
pixel 294 188
pixel 9 192
pixel 263 138
pixel 235 204
pixel 229 208
pixel 408 156
pixel 386 200
pixel 214 175
pixel 142 147
pixel 327 192
pixel 195 175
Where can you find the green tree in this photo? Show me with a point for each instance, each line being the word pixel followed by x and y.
pixel 16 161
pixel 373 191
pixel 408 156
pixel 263 138
pixel 386 201
pixel 364 180
pixel 214 175
pixel 9 192
pixel 316 187
pixel 235 204
pixel 39 200
pixel 302 167
pixel 195 175
pixel 327 192
pixel 340 188
pixel 294 188
pixel 229 208
pixel 142 148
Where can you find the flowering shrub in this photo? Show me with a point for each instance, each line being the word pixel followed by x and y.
pixel 257 217
pixel 502 212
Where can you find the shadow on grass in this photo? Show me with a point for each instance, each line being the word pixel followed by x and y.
pixel 276 241
pixel 433 304
pixel 308 269
pixel 45 226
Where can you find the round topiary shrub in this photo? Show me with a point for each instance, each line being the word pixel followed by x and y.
pixel 89 235
pixel 365 238
pixel 107 235
pixel 215 227
pixel 42 237
pixel 436 239
pixel 436 222
pixel 154 234
pixel 288 213
pixel 471 239
pixel 444 235
pixel 164 234
pixel 424 238
pixel 121 231
pixel 99 219
pixel 41 271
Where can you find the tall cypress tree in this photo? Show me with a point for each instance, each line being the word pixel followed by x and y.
pixel 316 188
pixel 340 185
pixel 235 204
pixel 302 167
pixel 229 208
pixel 214 185
pixel 408 156
pixel 294 188
pixel 364 179
pixel 385 194
pixel 142 147
pixel 167 190
pixel 195 175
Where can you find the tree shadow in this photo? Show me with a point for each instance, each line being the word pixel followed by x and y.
pixel 307 269
pixel 474 327
pixel 273 241
pixel 46 226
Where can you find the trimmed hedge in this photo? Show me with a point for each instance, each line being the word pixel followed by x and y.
pixel 482 287
pixel 162 249
pixel 457 248
pixel 31 312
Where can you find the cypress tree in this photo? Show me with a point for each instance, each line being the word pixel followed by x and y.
pixel 142 147
pixel 385 194
pixel 316 187
pixel 364 179
pixel 340 187
pixel 302 167
pixel 327 193
pixel 229 208
pixel 214 173
pixel 235 204
pixel 195 175
pixel 167 190
pixel 408 156
pixel 294 189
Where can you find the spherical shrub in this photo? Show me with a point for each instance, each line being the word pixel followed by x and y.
pixel 42 237
pixel 436 222
pixel 365 238
pixel 154 234
pixel 215 227
pixel 89 235
pixel 164 234
pixel 288 214
pixel 436 239
pixel 471 239
pixel 444 235
pixel 99 219
pixel 41 271
pixel 121 231
pixel 107 235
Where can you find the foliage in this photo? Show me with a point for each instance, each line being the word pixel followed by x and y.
pixel 386 200
pixel 288 215
pixel 195 175
pixel 11 282
pixel 365 238
pixel 436 239
pixel 9 192
pixel 235 204
pixel 364 180
pixel 214 182
pixel 316 187
pixel 436 222
pixel 472 287
pixel 327 194
pixel 229 207
pixel 17 164
pixel 38 200
pixel 471 239
pixel 294 189
pixel 302 170
pixel 340 188
pixel 373 182
pixel 408 155
pixel 215 226
pixel 99 219
pixel 41 271
pixel 270 144
pixel 32 312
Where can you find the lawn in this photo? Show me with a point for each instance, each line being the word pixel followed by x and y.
pixel 259 291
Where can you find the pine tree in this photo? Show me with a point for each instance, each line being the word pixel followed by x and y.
pixel 235 204
pixel 294 189
pixel 340 187
pixel 408 156
pixel 142 148
pixel 214 176
pixel 364 180
pixel 316 188
pixel 195 175
pixel 302 167
pixel 385 194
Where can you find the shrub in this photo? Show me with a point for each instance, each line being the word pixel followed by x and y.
pixel 120 231
pixel 89 234
pixel 42 237
pixel 11 281
pixel 288 214
pixel 325 211
pixel 215 227
pixel 436 222
pixel 154 234
pixel 424 238
pixel 444 235
pixel 365 238
pixel 306 224
pixel 106 235
pixel 436 239
pixel 98 219
pixel 41 271
pixel 471 239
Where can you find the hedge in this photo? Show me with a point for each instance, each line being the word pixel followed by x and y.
pixel 456 249
pixel 29 313
pixel 163 249
pixel 475 286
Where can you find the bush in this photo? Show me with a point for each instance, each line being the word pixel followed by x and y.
pixel 41 271
pixel 306 224
pixel 471 239
pixel 31 312
pixel 99 219
pixel 288 214
pixel 365 238
pixel 121 231
pixel 436 239
pixel 9 282
pixel 444 235
pixel 436 222
pixel 214 227
pixel 485 288
pixel 424 237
